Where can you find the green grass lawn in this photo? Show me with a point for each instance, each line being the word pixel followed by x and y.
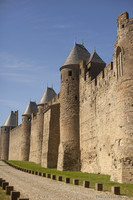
pixel 126 189
pixel 3 195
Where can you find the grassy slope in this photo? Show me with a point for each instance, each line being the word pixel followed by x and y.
pixel 3 195
pixel 126 189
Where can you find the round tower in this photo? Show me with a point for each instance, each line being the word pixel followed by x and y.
pixel 69 148
pixel 39 137
pixel 11 122
pixel 47 97
pixel 25 139
pixel 5 131
pixel 26 131
pixel 123 62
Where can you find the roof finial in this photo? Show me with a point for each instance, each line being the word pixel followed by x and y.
pixel 82 42
pixel 75 41
pixel 94 49
pixel 47 85
pixel 52 85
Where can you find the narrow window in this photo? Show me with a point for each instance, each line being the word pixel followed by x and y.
pixel 69 73
pixel 119 63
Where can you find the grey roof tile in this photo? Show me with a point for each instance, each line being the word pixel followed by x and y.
pixel 47 96
pixel 77 54
pixel 31 108
pixel 11 120
pixel 95 58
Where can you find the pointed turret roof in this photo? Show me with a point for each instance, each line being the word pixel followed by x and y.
pixel 11 120
pixel 95 58
pixel 47 96
pixel 77 54
pixel 31 108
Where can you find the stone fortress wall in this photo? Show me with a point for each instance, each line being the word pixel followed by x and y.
pixel 89 125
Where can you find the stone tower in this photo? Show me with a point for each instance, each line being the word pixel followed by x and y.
pixel 26 130
pixel 122 169
pixel 37 127
pixel 11 122
pixel 69 149
pixel 47 96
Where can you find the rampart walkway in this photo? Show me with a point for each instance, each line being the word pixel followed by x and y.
pixel 40 188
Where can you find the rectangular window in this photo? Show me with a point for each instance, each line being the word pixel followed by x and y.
pixel 69 73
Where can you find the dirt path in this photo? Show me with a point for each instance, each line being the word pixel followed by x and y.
pixel 40 188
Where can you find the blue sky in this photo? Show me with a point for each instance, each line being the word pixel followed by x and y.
pixel 36 36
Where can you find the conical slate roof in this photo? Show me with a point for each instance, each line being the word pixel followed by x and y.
pixel 95 58
pixel 31 108
pixel 77 54
pixel 47 96
pixel 11 120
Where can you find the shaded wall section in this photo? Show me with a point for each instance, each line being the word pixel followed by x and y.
pixel 15 143
pixel 51 136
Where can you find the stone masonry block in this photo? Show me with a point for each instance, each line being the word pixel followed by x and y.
pixel 4 184
pixel 99 186
pixel 75 182
pixel 48 175
pixel 54 177
pixel 115 190
pixel 14 195
pixel 59 178
pixel 36 173
pixel 44 174
pixel 67 180
pixel 86 184
pixel 9 189
pixel 40 174
pixel 22 199
pixel 1 182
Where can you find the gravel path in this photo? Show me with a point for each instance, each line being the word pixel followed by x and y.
pixel 40 188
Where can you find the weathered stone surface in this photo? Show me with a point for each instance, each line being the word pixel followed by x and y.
pixel 54 177
pixel 48 175
pixel 67 180
pixel 14 195
pixel 1 182
pixel 88 126
pixel 59 178
pixel 4 184
pixel 86 184
pixel 51 137
pixel 75 182
pixel 115 190
pixel 9 189
pixel 99 186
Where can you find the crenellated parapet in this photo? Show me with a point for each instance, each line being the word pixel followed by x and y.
pixel 88 126
pixel 102 80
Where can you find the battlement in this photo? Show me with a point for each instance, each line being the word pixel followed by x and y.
pixel 102 79
pixel 123 17
pixel 124 25
pixel 54 100
pixel 16 128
